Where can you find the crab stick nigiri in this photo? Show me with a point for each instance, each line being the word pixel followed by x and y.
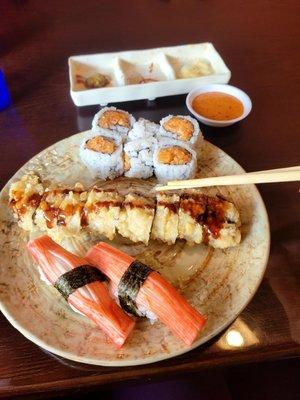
pixel 81 285
pixel 142 291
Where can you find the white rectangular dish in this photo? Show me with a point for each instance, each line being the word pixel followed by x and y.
pixel 146 74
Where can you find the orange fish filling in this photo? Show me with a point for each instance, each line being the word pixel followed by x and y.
pixel 112 118
pixel 126 162
pixel 101 144
pixel 174 156
pixel 183 128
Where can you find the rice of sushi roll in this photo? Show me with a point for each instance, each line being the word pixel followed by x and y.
pixel 173 159
pixel 143 129
pixel 102 155
pixel 136 217
pixel 138 158
pixel 114 120
pixel 181 127
pixel 165 223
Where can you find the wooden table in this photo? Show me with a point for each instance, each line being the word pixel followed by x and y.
pixel 260 43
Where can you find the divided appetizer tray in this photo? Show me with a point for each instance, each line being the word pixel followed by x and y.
pixel 144 74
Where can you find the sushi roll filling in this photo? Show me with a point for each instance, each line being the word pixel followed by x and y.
pixel 101 144
pixel 112 118
pixel 76 278
pixel 174 155
pixel 183 128
pixel 130 284
pixel 127 164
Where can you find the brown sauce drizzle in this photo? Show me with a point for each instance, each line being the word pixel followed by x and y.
pixel 207 211
pixel 172 207
pixel 104 204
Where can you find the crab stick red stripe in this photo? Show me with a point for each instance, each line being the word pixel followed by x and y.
pixel 93 299
pixel 156 294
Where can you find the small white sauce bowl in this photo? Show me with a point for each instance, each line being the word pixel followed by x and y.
pixel 234 91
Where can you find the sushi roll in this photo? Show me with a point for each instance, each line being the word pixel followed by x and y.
pixel 60 212
pixel 144 292
pixel 136 217
pixel 210 220
pixel 114 120
pixel 191 208
pixel 138 158
pixel 24 197
pixel 81 284
pixel 102 155
pixel 165 224
pixel 143 129
pixel 173 159
pixel 181 127
pixel 102 210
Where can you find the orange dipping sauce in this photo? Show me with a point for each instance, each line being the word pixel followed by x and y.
pixel 218 106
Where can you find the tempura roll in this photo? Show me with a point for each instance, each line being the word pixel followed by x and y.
pixel 102 211
pixel 165 224
pixel 24 198
pixel 60 212
pixel 211 220
pixel 136 217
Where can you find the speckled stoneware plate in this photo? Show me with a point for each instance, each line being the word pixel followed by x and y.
pixel 220 283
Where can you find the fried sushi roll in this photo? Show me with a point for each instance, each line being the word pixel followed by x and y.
pixel 138 158
pixel 181 127
pixel 136 217
pixel 165 223
pixel 173 160
pixel 210 220
pixel 102 210
pixel 102 155
pixel 24 198
pixel 60 212
pixel 114 120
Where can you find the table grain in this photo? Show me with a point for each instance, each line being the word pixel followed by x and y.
pixel 259 41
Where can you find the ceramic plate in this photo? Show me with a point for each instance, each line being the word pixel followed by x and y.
pixel 220 283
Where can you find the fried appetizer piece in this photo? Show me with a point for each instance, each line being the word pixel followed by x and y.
pixel 136 217
pixel 165 224
pixel 24 198
pixel 60 212
pixel 102 211
pixel 211 220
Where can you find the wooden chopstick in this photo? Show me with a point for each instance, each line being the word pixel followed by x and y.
pixel 288 174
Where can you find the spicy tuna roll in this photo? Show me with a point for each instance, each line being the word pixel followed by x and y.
pixel 181 127
pixel 102 154
pixel 114 120
pixel 138 158
pixel 173 159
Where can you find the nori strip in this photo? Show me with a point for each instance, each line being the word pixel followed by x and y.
pixel 130 284
pixel 76 278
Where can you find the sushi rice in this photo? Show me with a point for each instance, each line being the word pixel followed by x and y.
pixel 142 129
pixel 139 155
